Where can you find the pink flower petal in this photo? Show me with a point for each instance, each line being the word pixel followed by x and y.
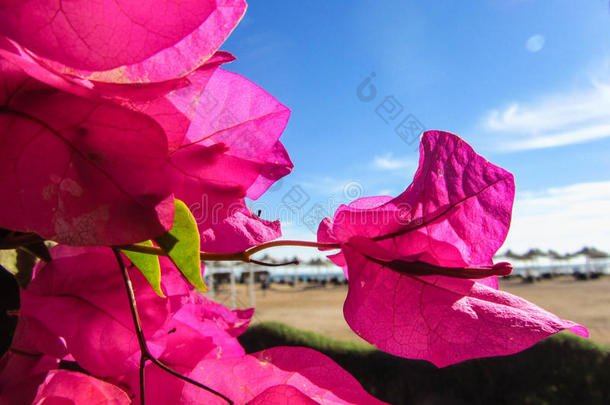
pixel 325 230
pixel 20 376
pixel 174 113
pixel 80 297
pixel 82 172
pixel 242 379
pixel 440 319
pixel 282 395
pixel 68 387
pixel 122 40
pixel 491 282
pixel 161 387
pixel 236 152
pixel 236 116
pixel 455 215
pixel 126 93
pixel 198 329
pixel 235 321
pixel 225 223
pixel 203 329
pixel 230 151
pixel 33 337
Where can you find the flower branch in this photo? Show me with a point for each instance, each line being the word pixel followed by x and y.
pixel 146 355
pixel 244 256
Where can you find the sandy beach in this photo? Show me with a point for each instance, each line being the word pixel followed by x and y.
pixel 320 309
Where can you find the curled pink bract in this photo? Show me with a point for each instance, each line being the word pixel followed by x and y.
pixel 455 215
pixel 228 149
pixel 282 395
pixel 121 40
pixel 229 110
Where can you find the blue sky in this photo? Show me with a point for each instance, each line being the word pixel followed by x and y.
pixel 525 82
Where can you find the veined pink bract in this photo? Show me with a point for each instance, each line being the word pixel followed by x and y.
pixel 121 41
pixel 455 214
pixel 80 171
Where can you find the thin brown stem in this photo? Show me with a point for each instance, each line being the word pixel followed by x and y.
pixel 188 380
pixel 243 256
pixel 132 302
pixel 225 257
pixel 300 243
pixel 145 353
pixel 274 264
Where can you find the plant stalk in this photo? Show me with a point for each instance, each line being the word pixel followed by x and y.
pixel 146 355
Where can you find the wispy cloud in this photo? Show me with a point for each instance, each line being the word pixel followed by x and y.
pixel 389 162
pixel 386 191
pixel 327 186
pixel 564 218
pixel 553 120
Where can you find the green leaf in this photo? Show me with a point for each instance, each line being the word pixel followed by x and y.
pixel 182 245
pixel 149 266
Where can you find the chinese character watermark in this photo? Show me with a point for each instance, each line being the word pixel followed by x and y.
pixel 409 128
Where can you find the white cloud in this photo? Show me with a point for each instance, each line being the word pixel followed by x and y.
pixel 328 186
pixel 386 191
pixel 535 43
pixel 388 162
pixel 553 120
pixel 564 218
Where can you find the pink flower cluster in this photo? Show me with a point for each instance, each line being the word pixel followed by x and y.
pixel 109 111
pixel 75 311
pixel 101 154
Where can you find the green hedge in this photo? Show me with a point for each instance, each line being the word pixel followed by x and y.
pixel 564 369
